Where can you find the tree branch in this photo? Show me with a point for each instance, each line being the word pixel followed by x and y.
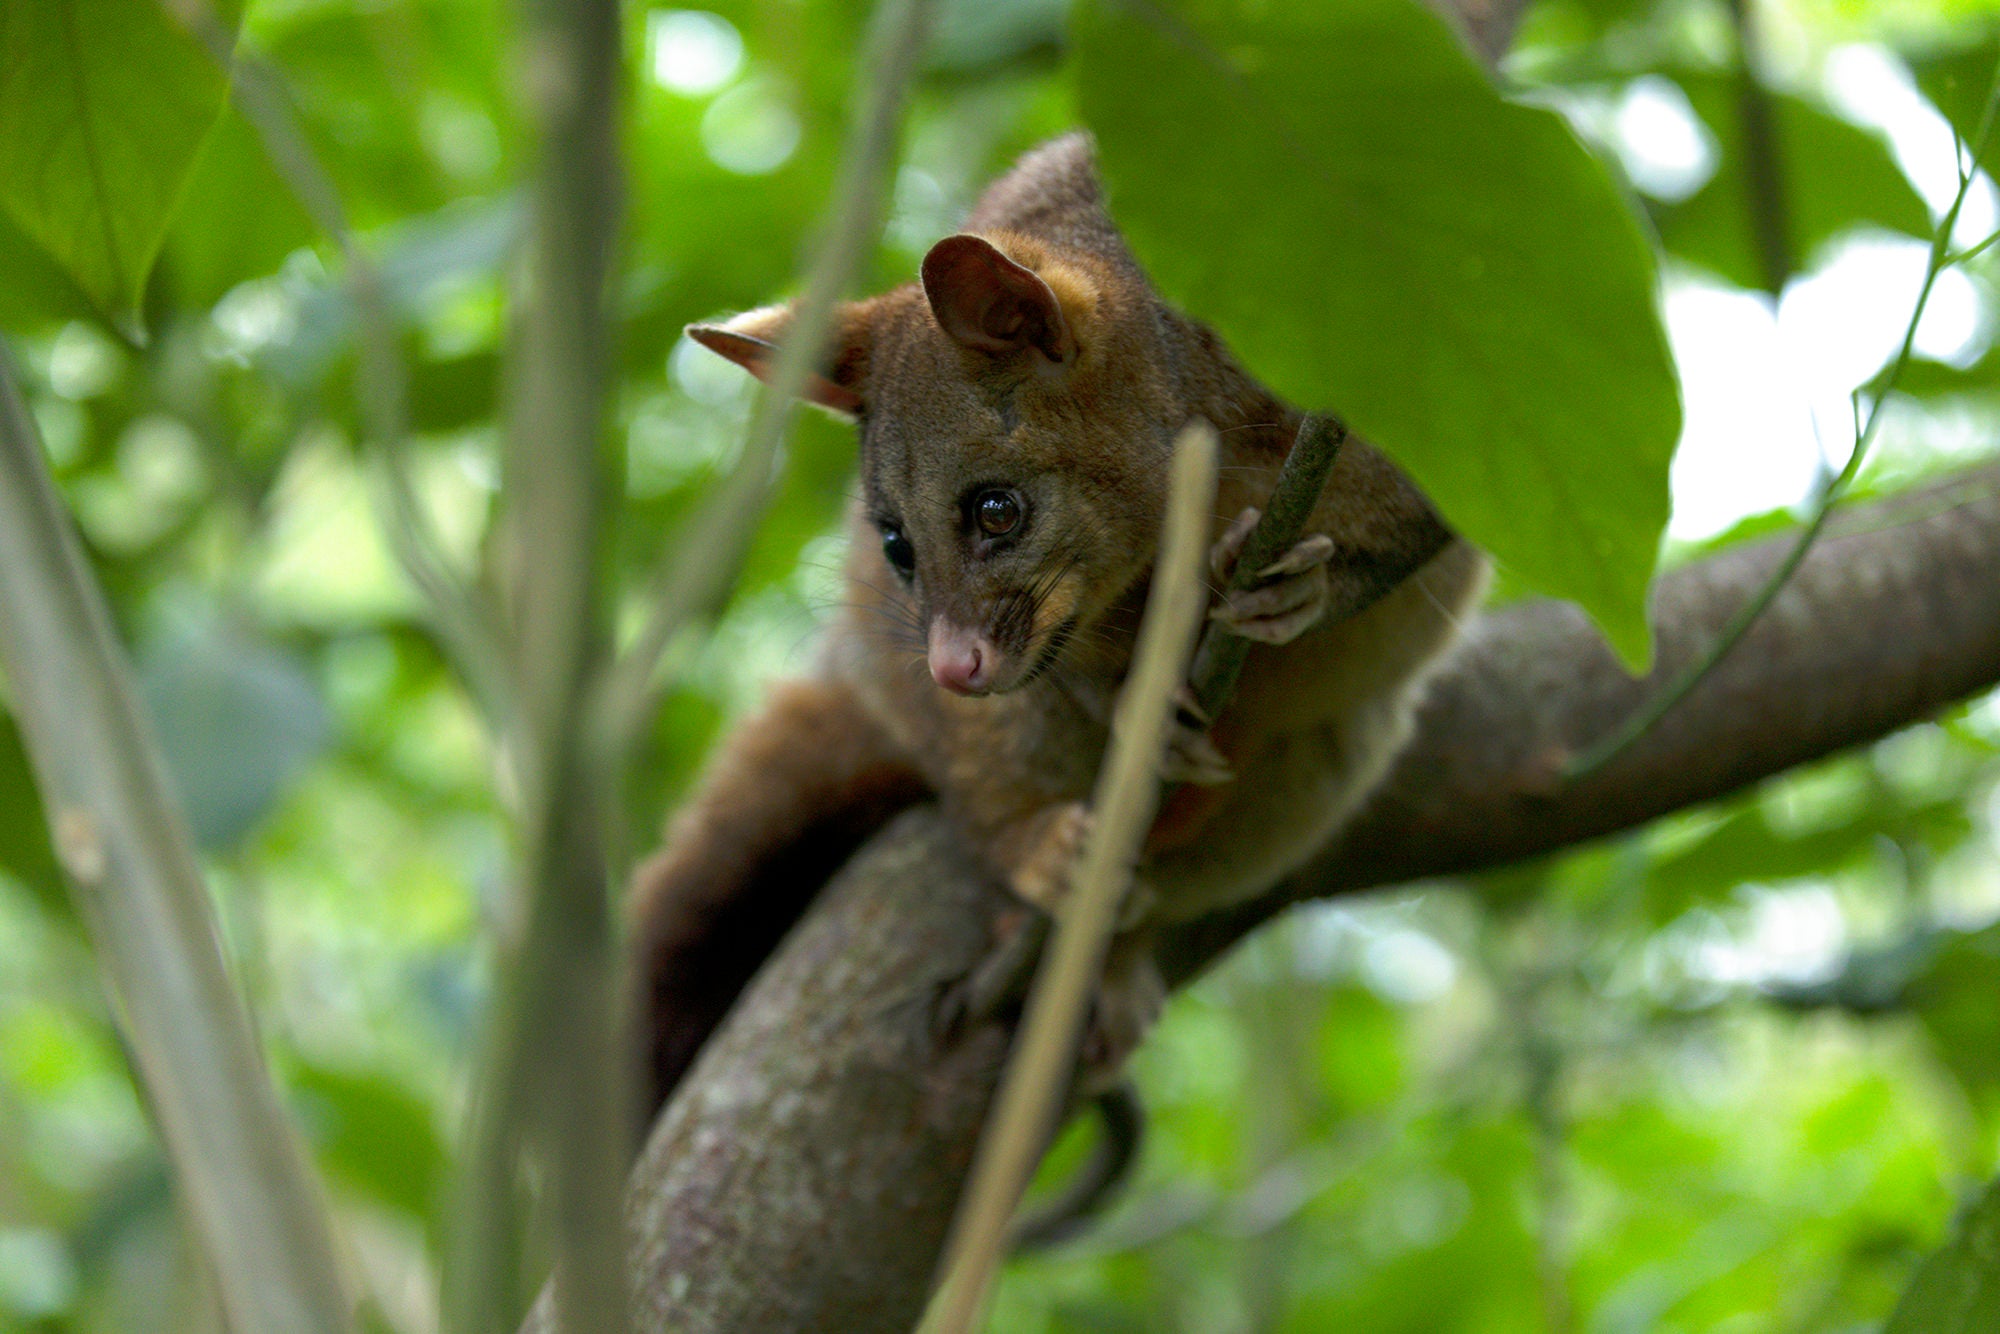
pixel 246 1185
pixel 553 1076
pixel 806 1174
pixel 1895 614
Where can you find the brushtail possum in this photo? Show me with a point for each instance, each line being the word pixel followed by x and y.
pixel 1016 410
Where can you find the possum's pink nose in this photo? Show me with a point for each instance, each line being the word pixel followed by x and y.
pixel 961 661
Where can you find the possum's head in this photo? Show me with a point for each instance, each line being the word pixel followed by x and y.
pixel 1016 417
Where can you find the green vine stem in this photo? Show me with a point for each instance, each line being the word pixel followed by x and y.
pixel 1604 751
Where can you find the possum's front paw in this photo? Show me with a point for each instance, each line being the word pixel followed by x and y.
pixel 1290 595
pixel 1127 1003
pixel 1043 877
pixel 1190 756
pixel 1124 1004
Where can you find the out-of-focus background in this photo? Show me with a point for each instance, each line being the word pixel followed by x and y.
pixel 1731 1073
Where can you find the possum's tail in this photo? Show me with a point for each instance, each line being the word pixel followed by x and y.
pixel 789 797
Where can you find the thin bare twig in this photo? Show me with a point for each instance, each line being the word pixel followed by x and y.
pixel 1219 659
pixel 694 580
pixel 554 1076
pixel 1128 793
pixel 131 867
pixel 1763 160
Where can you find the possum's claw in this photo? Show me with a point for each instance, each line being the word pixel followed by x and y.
pixel 1291 593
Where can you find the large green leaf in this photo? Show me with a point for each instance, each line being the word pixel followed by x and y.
pixel 36 291
pixel 1957 1290
pixel 103 106
pixel 215 242
pixel 1835 176
pixel 1344 195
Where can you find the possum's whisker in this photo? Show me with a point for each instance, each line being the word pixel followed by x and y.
pixel 1450 614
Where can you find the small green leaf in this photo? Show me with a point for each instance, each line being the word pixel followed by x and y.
pixel 374 1135
pixel 1957 1290
pixel 25 853
pixel 237 720
pixel 977 34
pixel 1378 233
pixel 1953 995
pixel 103 106
pixel 1746 848
pixel 1835 176
pixel 1958 79
pixel 1936 379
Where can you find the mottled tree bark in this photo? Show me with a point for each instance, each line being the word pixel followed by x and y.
pixel 804 1180
pixel 805 1176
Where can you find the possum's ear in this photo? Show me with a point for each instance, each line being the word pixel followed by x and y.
pixel 985 299
pixel 751 341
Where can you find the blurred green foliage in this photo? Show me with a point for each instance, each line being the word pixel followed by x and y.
pixel 1836 176
pixel 1958 1289
pixel 1731 1073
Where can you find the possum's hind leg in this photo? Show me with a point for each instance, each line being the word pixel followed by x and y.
pixel 788 798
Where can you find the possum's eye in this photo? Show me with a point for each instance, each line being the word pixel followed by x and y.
pixel 998 512
pixel 898 551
